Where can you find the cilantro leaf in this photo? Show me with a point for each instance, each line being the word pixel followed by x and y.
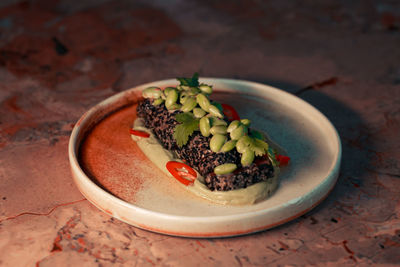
pixel 193 82
pixel 185 117
pixel 258 151
pixel 258 146
pixel 218 105
pixel 188 124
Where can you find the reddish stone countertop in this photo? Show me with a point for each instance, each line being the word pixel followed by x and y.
pixel 57 59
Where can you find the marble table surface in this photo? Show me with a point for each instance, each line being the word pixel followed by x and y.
pixel 59 58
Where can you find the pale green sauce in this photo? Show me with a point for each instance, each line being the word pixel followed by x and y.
pixel 152 148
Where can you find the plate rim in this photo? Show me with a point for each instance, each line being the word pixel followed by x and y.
pixel 79 174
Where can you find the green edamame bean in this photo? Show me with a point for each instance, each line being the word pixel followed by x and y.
pixel 203 102
pixel 238 132
pixel 198 113
pixel 174 106
pixel 245 122
pixel 218 129
pixel 215 121
pixel 151 92
pixel 225 168
pixel 182 97
pixel 168 89
pixel 215 111
pixel 158 101
pixel 233 125
pixel 206 89
pixel 216 142
pixel 185 87
pixel 190 103
pixel 247 157
pixel 205 126
pixel 244 143
pixel 228 146
pixel 194 91
pixel 171 98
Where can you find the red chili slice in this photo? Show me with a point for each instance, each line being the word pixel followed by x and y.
pixel 283 160
pixel 230 112
pixel 139 133
pixel 182 172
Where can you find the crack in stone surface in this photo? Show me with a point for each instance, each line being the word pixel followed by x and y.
pixel 41 214
pixel 317 85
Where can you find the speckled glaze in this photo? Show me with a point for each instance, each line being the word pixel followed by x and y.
pixel 309 138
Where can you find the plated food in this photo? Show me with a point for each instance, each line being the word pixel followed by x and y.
pixel 205 145
pixel 126 185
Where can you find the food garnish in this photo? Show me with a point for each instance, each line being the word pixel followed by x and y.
pixel 188 124
pixel 283 160
pixel 182 172
pixel 230 113
pixel 139 133
pixel 196 112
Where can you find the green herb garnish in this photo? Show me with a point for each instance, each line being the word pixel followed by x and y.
pixel 272 156
pixel 192 82
pixel 188 124
pixel 194 111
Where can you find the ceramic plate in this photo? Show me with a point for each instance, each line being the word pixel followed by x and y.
pixel 114 175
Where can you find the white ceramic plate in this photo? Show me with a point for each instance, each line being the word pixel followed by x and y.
pixel 160 204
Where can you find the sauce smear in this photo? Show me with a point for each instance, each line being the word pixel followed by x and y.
pixel 110 158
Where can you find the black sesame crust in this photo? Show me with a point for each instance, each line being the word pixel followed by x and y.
pixel 197 152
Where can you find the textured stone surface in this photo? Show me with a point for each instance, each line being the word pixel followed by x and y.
pixel 59 58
